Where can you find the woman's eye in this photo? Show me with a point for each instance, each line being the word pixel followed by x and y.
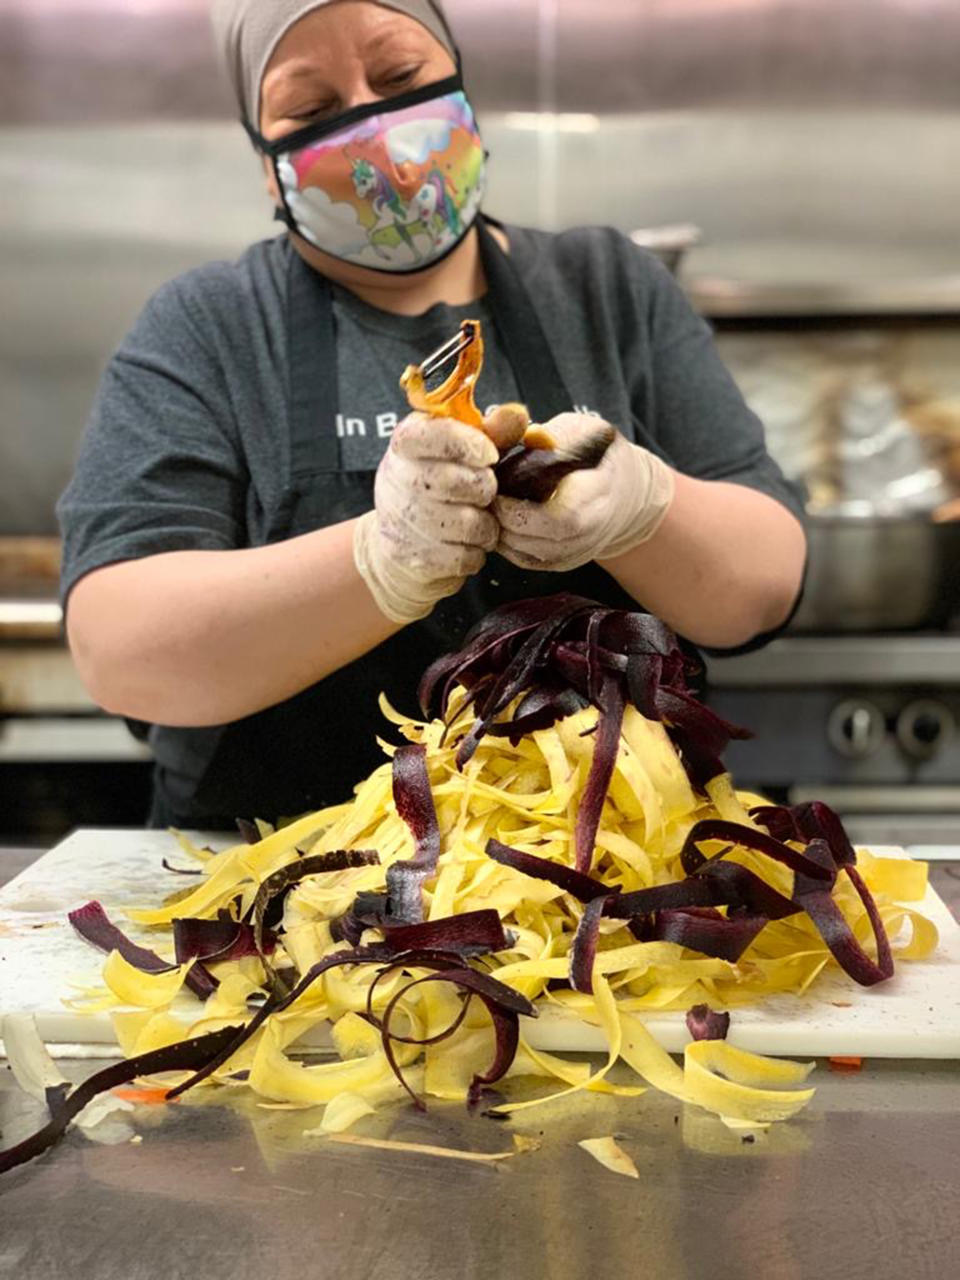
pixel 310 113
pixel 389 82
pixel 397 79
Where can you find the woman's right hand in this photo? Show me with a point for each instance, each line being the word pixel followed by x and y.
pixel 430 528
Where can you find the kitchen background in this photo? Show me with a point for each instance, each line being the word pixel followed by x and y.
pixel 804 153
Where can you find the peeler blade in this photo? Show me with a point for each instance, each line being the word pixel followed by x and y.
pixel 450 350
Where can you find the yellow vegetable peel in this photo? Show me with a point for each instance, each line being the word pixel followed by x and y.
pixel 525 794
pixel 607 1152
pixel 425 1149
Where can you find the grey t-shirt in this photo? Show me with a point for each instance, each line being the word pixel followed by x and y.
pixel 188 446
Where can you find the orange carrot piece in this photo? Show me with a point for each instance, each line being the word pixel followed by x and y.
pixel 842 1063
pixel 148 1096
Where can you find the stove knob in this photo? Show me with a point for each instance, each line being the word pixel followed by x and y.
pixel 923 727
pixel 856 728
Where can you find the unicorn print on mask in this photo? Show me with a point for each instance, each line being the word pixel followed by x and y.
pixel 437 209
pixel 392 212
pixel 395 190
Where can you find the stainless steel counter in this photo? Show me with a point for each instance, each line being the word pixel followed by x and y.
pixel 864 1184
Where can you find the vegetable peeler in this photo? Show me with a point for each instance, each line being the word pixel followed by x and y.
pixel 454 397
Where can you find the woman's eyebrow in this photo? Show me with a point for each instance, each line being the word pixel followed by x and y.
pixel 392 41
pixel 402 46
pixel 299 71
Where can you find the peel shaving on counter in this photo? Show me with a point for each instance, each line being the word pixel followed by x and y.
pixel 564 835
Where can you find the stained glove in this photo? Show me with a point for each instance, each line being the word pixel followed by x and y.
pixel 430 528
pixel 593 515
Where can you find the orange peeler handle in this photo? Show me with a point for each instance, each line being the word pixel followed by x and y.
pixel 454 397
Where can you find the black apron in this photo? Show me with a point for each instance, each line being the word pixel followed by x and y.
pixel 313 749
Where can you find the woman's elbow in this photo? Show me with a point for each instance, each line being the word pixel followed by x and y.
pixel 754 604
pixel 743 623
pixel 124 685
pixel 87 649
pixel 101 670
pixel 112 657
pixel 769 599
pixel 784 577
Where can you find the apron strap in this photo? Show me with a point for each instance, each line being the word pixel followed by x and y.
pixel 522 338
pixel 312 354
pixel 314 393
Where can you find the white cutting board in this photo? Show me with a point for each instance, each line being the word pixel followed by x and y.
pixel 915 1015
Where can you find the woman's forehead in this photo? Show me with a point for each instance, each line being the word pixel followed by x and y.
pixel 361 28
pixel 249 33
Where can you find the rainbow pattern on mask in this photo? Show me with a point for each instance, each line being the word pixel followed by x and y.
pixel 396 190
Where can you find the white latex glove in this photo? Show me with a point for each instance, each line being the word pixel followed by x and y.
pixel 592 515
pixel 430 528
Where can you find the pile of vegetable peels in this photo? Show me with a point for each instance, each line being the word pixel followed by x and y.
pixel 563 834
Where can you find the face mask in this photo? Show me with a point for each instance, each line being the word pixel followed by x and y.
pixel 394 185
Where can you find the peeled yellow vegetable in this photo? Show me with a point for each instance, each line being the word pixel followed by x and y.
pixel 527 795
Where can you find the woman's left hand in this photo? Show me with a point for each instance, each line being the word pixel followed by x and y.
pixel 592 515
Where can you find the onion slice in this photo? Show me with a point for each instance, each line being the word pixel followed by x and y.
pixel 187 1055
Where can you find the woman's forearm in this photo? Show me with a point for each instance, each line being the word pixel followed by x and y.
pixel 724 566
pixel 206 637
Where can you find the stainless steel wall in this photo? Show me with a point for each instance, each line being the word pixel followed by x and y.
pixel 809 138
pixel 65 61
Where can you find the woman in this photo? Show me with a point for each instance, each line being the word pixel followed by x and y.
pixel 258 541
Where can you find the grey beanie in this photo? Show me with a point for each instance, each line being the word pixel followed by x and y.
pixel 246 32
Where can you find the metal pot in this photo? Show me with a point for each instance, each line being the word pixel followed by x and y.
pixel 669 243
pixel 878 573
